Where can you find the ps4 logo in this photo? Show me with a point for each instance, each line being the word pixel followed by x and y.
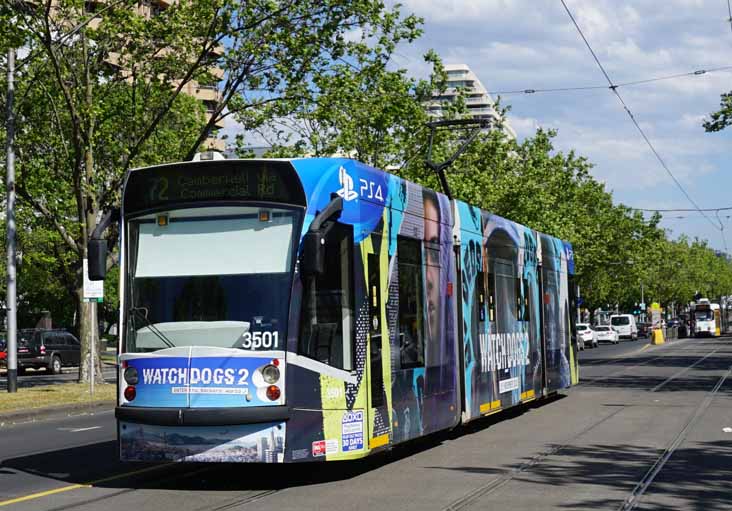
pixel 367 189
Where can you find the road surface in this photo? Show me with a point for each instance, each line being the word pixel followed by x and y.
pixel 649 428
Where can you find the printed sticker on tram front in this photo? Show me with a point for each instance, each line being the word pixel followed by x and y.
pixel 352 430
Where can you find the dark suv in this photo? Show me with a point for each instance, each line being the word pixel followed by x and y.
pixel 49 349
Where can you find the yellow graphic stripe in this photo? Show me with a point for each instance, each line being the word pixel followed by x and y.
pixel 379 441
pixel 529 394
pixel 487 407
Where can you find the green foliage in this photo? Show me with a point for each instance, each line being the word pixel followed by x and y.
pixel 103 88
pixel 101 92
pixel 722 118
pixel 377 116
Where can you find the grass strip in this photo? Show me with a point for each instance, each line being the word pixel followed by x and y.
pixel 54 395
pixel 109 358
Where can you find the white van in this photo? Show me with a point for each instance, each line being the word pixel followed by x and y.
pixel 624 325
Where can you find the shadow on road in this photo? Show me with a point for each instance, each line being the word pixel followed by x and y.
pixel 98 464
pixel 717 363
pixel 696 477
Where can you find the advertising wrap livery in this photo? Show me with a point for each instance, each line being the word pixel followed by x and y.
pixel 319 309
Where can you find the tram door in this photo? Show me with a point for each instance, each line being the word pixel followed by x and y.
pixel 377 349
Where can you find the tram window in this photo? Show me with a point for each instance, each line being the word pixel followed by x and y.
pixel 518 299
pixel 411 302
pixel 326 329
pixel 527 302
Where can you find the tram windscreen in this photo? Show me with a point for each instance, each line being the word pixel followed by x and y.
pixel 704 315
pixel 210 276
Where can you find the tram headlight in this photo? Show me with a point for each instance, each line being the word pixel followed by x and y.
pixel 131 376
pixel 270 374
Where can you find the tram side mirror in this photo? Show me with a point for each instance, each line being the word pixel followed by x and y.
pixel 313 243
pixel 97 254
pixel 312 261
pixel 96 248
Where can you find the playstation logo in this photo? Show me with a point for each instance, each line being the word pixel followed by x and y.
pixel 346 181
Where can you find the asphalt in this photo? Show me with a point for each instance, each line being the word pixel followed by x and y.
pixel 644 430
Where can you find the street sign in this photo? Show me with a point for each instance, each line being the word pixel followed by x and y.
pixel 93 289
pixel 641 305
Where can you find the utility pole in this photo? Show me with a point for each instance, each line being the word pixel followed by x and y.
pixel 10 299
pixel 643 301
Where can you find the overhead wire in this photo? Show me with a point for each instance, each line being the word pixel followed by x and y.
pixel 674 210
pixel 614 88
pixel 729 12
pixel 696 72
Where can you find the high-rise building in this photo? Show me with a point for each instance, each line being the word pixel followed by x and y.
pixel 262 448
pixel 479 103
pixel 207 94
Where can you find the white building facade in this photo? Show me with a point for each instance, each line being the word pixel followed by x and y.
pixel 479 103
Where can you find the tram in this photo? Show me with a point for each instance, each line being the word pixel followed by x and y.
pixel 707 318
pixel 320 309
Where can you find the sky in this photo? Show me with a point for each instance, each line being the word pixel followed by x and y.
pixel 532 44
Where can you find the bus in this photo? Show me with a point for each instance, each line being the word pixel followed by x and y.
pixel 707 318
pixel 297 310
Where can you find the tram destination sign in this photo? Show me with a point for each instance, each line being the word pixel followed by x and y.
pixel 235 180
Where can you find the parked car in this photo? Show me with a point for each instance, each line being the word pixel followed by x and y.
pixel 624 325
pixel 586 335
pixel 606 334
pixel 47 349
pixel 3 353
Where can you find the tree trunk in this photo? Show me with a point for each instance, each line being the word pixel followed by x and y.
pixel 86 327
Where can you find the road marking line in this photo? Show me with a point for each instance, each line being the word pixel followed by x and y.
pixel 79 430
pixel 41 494
pixel 645 347
pixel 90 484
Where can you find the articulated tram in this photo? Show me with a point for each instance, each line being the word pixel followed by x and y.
pixel 320 309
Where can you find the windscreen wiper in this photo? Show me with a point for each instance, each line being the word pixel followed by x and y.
pixel 137 311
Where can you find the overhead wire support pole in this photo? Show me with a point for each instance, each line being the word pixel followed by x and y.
pixel 10 297
pixel 614 88
pixel 439 168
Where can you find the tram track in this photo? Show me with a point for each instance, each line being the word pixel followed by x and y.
pixel 630 503
pixel 239 502
pixel 642 486
pixel 682 371
pixel 496 483
pixel 676 350
pixel 622 371
pixel 181 473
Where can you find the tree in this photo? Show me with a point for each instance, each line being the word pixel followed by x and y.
pixel 103 90
pixel 359 107
pixel 722 118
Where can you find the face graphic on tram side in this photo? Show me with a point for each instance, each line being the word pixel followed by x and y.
pixel 432 236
